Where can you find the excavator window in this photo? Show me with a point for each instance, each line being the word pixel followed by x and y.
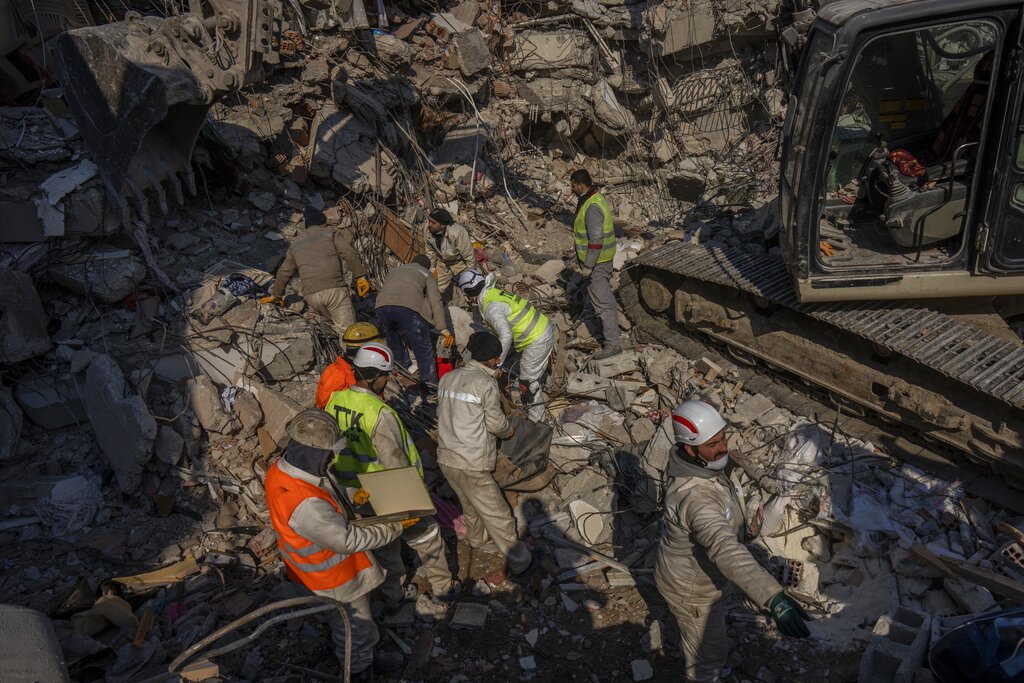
pixel 904 147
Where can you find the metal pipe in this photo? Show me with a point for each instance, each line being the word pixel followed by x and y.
pixel 324 605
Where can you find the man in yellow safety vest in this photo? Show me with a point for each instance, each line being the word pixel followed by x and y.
pixel 518 325
pixel 377 440
pixel 594 236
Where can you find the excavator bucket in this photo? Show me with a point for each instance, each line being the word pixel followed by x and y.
pixel 140 90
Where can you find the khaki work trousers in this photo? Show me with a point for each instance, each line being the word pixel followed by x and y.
pixel 364 631
pixel 487 514
pixel 425 539
pixel 336 306
pixel 704 639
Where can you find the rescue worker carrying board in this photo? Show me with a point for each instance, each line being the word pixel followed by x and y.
pixel 322 553
pixel 469 423
pixel 518 325
pixel 700 555
pixel 320 255
pixel 338 375
pixel 594 235
pixel 377 440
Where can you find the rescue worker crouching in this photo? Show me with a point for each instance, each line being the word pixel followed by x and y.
pixel 519 325
pixel 322 553
pixel 377 440
pixel 701 555
pixel 320 255
pixel 469 423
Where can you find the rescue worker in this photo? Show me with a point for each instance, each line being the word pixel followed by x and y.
pixel 469 423
pixel 377 440
pixel 322 553
pixel 338 375
pixel 321 255
pixel 449 249
pixel 594 235
pixel 518 325
pixel 701 555
pixel 410 312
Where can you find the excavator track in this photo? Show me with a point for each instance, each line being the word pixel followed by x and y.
pixel 936 374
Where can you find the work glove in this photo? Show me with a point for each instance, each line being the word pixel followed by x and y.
pixel 361 497
pixel 362 286
pixel 272 300
pixel 448 339
pixel 789 616
pixel 406 523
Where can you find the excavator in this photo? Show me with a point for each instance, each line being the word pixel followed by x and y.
pixel 900 285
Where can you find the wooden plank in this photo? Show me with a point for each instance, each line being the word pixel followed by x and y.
pixel 396 234
pixel 997 583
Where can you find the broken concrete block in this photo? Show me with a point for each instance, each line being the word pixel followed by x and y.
pixel 550 51
pixel 11 421
pixel 22 320
pixel 169 445
pixel 294 357
pixel 549 271
pixel 67 504
pixel 585 385
pixel 124 427
pixel 750 409
pixel 642 670
pixel 970 597
pixel 249 413
pixel 608 111
pixel 108 276
pixel 469 615
pixel 642 430
pixel 278 410
pixel 51 401
pixel 344 150
pixel 619 364
pixel 474 56
pixel 652 641
pixel 681 29
pixel 898 646
pixel 204 398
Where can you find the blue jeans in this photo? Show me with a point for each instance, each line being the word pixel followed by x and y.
pixel 402 326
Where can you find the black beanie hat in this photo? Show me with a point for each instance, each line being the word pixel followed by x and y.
pixel 314 216
pixel 483 346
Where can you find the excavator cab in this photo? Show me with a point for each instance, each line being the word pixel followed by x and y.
pixel 900 149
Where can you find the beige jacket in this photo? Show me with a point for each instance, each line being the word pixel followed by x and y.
pixel 470 419
pixel 317 521
pixel 455 252
pixel 411 286
pixel 320 255
pixel 701 555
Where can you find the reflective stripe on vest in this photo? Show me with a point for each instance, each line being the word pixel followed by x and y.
pixel 357 414
pixel 316 568
pixel 579 227
pixel 527 322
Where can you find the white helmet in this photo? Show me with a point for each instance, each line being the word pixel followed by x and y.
pixel 470 279
pixel 374 356
pixel 695 422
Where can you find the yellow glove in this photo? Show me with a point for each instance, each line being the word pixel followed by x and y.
pixel 362 286
pixel 272 300
pixel 449 338
pixel 406 523
pixel 361 497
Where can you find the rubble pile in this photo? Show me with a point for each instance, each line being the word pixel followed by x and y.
pixel 144 389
